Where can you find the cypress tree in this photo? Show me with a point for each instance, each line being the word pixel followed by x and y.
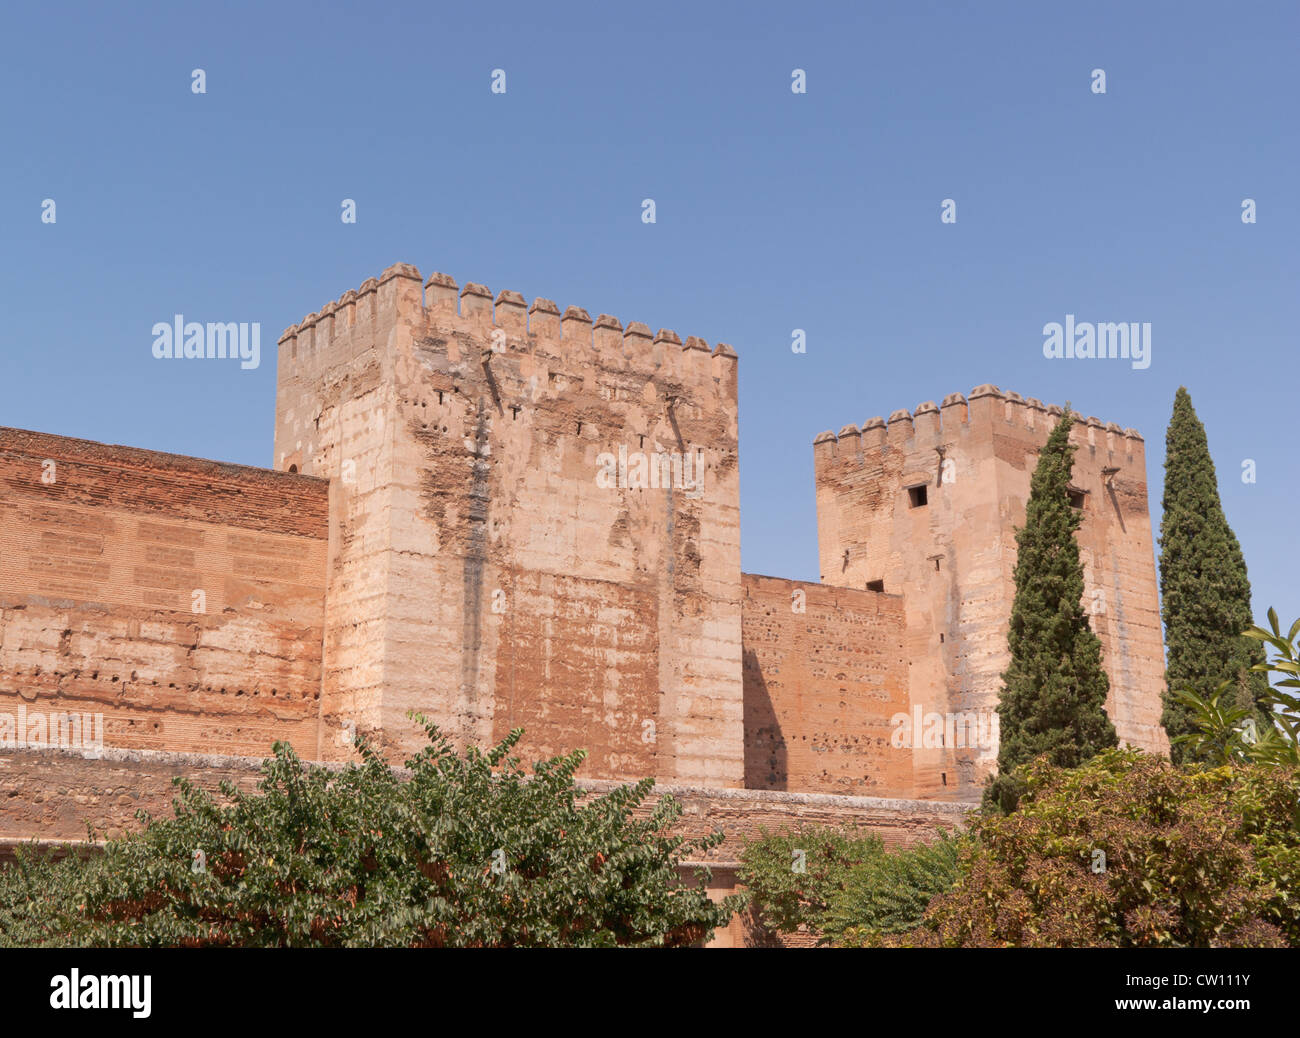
pixel 1204 590
pixel 1054 690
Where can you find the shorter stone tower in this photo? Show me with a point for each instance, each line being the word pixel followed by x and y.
pixel 927 504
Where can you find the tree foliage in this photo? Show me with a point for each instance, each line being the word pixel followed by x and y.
pixel 1204 590
pixel 1130 851
pixel 1054 689
pixel 840 883
pixel 461 850
pixel 1225 732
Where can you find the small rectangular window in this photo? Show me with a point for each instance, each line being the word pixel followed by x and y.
pixel 875 585
pixel 1077 497
pixel 918 495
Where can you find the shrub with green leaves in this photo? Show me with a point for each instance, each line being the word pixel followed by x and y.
pixel 1130 851
pixel 461 850
pixel 34 892
pixel 842 883
pixel 890 891
pixel 1224 731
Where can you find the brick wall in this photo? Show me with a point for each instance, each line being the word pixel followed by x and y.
pixel 104 554
pixel 825 671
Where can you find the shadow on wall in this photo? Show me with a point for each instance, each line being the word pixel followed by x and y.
pixel 766 765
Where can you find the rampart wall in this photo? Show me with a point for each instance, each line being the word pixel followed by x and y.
pixel 826 672
pixel 180 599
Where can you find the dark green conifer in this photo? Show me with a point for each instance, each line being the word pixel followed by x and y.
pixel 1204 590
pixel 1054 691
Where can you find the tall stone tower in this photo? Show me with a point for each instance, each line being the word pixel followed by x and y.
pixel 927 505
pixel 534 521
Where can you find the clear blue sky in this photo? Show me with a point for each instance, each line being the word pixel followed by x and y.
pixel 774 211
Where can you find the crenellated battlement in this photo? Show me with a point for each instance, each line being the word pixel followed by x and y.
pixel 987 409
pixel 401 340
pixel 572 337
pixel 352 322
pixel 342 329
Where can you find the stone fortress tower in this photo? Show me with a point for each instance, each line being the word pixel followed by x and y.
pixel 479 571
pixel 926 505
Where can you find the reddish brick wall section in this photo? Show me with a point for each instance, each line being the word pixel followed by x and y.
pixel 102 549
pixel 825 671
pixel 577 668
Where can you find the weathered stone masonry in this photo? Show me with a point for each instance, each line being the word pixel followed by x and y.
pixel 180 598
pixel 478 572
pixel 927 505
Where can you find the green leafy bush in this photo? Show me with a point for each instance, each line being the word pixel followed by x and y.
pixel 890 891
pixel 463 850
pixel 34 892
pixel 1225 732
pixel 1130 851
pixel 841 883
